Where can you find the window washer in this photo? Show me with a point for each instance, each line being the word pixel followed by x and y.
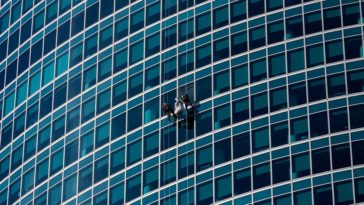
pixel 167 109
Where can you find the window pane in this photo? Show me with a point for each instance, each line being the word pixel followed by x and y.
pixel 300 165
pixel 204 158
pixel 242 181
pixel 318 124
pixel 117 161
pixel 295 60
pixel 134 152
pixel 299 129
pixel 316 89
pixel 204 193
pixel 222 116
pixel 340 156
pixel 223 188
pixel 338 120
pixel 222 151
pixel 323 194
pixel 151 144
pixel 297 94
pixel 260 139
pixel 279 134
pixel 261 175
pixel 280 169
pixel 320 160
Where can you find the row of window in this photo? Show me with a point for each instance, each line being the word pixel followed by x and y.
pixel 259 36
pixel 239 110
pixel 255 71
pixel 245 180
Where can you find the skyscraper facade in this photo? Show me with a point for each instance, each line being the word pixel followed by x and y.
pixel 276 88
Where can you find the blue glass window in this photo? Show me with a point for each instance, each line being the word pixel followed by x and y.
pixel 133 187
pixel 185 30
pixel 169 36
pixel 169 70
pixel 220 17
pixel 297 94
pixel 152 13
pixel 260 139
pixel 323 194
pixel 242 181
pixel 136 20
pixel 118 125
pixel 259 104
pixel 203 122
pixel 168 172
pixel 334 51
pixel 222 116
pixel 203 55
pixel 42 171
pixel 104 70
pixel 115 196
pixel 150 180
pixel 258 70
pixel 87 143
pixel 221 49
pixel 90 46
pixel 106 36
pixel 300 165
pixel 89 77
pixel 203 23
pixel 69 187
pixel 320 160
pixel 204 193
pixel 103 101
pixel 120 60
pixel 257 37
pixel 338 119
pixel 281 169
pixel 58 128
pixel 78 23
pixel 168 137
pixel 221 82
pixel 256 7
pixel 295 59
pixel 71 152
pixel 135 84
pixel 261 175
pixel 279 134
pixel 56 161
pixel 152 76
pixel 135 117
pixel 151 110
pixel 117 160
pixel 44 137
pixel 136 52
pixel 121 29
pixel 73 118
pixel 102 134
pixel 186 165
pixel 277 65
pixel 85 178
pixel 152 44
pixel 223 187
pixel 316 89
pixel 299 129
pixel 275 30
pixel 222 151
pixel 238 43
pixel 101 169
pixel 92 14
pixel 203 158
pixel 134 152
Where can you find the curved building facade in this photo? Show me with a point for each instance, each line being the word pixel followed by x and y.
pixel 277 88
